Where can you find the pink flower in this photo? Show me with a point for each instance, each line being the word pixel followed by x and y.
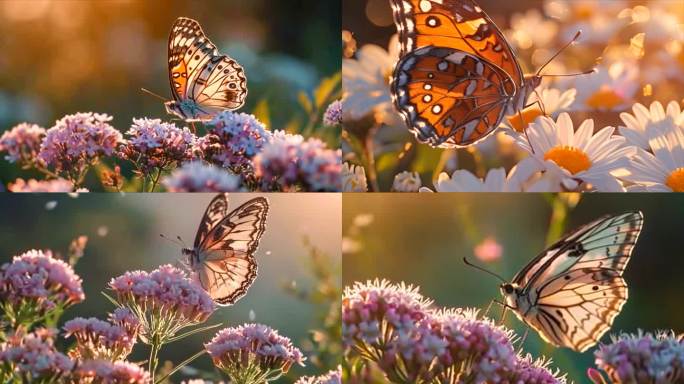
pixel 333 114
pixel 22 143
pixel 288 163
pixel 164 301
pixel 153 144
pixel 97 339
pixel 198 177
pixel 332 377
pixel 32 357
pixel 253 349
pixel 34 284
pixel 528 370
pixel 643 358
pixel 41 186
pixel 488 250
pixel 107 372
pixel 233 140
pixel 77 141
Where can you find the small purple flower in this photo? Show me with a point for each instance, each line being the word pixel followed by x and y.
pixel 164 301
pixel 35 284
pixel 98 339
pixel 332 377
pixel 198 177
pixel 233 140
pixel 333 114
pixel 643 358
pixel 77 141
pixel 22 143
pixel 155 145
pixel 288 163
pixel 42 186
pixel 528 370
pixel 107 372
pixel 253 353
pixel 32 357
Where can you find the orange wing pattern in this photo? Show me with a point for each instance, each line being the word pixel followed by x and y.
pixel 475 73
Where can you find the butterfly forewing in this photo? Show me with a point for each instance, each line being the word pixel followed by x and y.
pixel 225 247
pixel 575 288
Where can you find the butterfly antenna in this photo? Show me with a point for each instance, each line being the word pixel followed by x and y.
pixel 153 94
pixel 171 240
pixel 468 263
pixel 569 43
pixel 182 242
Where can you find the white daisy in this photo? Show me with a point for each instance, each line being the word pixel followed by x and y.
pixel 609 88
pixel 353 178
pixel 366 82
pixel 662 170
pixel 554 101
pixel 577 157
pixel 406 182
pixel 644 120
pixel 496 179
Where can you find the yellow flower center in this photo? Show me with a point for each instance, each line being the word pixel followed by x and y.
pixel 676 180
pixel 604 98
pixel 520 121
pixel 574 160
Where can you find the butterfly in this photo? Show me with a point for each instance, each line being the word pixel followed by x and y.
pixel 203 81
pixel 457 76
pixel 222 257
pixel 572 291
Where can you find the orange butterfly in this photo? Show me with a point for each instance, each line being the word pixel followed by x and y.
pixel 457 76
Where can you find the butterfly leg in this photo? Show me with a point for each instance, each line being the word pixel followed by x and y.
pixel 524 336
pixel 194 129
pixel 486 312
pixel 539 102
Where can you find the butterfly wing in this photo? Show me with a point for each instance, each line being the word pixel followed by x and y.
pixel 226 267
pixel 215 212
pixel 576 286
pixel 198 73
pixel 450 98
pixel 457 24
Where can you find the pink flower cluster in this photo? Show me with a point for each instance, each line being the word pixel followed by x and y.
pixel 198 177
pixel 410 341
pixel 35 283
pixel 233 140
pixel 333 114
pixel 107 372
pixel 289 162
pixel 32 357
pixel 22 143
pixel 153 144
pixel 164 300
pixel 75 141
pixel 41 186
pixel 643 358
pixel 97 339
pixel 332 377
pixel 240 350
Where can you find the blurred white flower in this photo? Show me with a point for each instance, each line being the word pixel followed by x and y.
pixel 610 88
pixel 406 182
pixel 496 179
pixel 662 170
pixel 644 120
pixel 363 220
pixel 582 9
pixel 365 81
pixel 531 29
pixel 577 156
pixel 353 178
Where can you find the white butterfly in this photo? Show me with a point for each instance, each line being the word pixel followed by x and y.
pixel 203 81
pixel 571 292
pixel 222 257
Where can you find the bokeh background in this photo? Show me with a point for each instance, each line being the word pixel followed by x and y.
pixel 64 56
pixel 422 240
pixel 299 259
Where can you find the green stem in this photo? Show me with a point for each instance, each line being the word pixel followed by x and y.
pixel 155 346
pixel 156 179
pixel 181 365
pixel 369 150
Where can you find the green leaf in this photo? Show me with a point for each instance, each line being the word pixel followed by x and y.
pixel 262 112
pixel 326 88
pixel 305 102
pixel 192 332
pixel 111 299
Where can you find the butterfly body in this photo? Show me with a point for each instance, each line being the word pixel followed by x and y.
pixel 203 81
pixel 222 257
pixel 457 77
pixel 571 293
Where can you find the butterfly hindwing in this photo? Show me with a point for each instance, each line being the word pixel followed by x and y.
pixel 572 292
pixel 225 247
pixel 449 97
